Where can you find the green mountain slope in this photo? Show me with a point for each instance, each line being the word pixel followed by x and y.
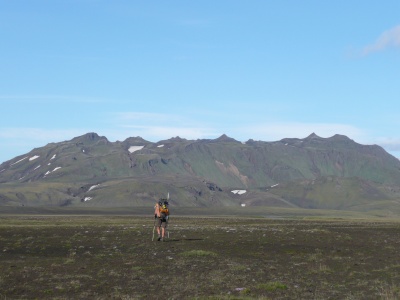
pixel 314 172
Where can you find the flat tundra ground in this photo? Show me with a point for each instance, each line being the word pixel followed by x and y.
pixel 114 257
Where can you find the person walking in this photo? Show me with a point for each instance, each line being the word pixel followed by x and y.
pixel 161 215
pixel 156 215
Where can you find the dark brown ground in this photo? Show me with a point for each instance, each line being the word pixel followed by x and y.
pixel 77 257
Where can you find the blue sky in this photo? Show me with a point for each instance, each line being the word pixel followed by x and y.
pixel 262 70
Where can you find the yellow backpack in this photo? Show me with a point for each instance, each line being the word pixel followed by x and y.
pixel 164 211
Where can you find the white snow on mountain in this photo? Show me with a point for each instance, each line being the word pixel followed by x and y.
pixel 54 156
pixel 160 146
pixel 36 168
pixel 48 172
pixel 239 192
pixel 87 198
pixel 34 157
pixel 135 148
pixel 93 187
pixel 19 161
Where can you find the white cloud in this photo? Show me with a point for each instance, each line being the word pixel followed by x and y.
pixel 51 98
pixel 388 39
pixel 391 144
pixel 158 126
pixel 277 131
pixel 157 132
pixel 40 134
pixel 155 127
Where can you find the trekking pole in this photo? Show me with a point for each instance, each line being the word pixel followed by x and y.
pixel 168 216
pixel 167 230
pixel 154 228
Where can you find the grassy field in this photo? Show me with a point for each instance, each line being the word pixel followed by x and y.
pixel 114 257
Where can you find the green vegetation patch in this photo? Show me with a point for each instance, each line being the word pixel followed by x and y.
pixel 272 286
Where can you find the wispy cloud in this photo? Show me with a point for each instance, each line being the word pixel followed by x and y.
pixel 156 133
pixel 276 131
pixel 388 39
pixel 158 126
pixel 46 98
pixel 391 144
pixel 155 127
pixel 40 134
pixel 15 141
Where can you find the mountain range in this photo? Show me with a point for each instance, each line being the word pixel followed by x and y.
pixel 314 172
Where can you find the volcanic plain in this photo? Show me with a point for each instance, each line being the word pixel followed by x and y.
pixel 229 257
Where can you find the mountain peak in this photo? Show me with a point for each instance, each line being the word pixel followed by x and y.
pixel 312 136
pixel 133 140
pixel 339 137
pixel 90 136
pixel 225 138
pixel 177 139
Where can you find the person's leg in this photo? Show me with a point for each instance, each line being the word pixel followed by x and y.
pixel 163 229
pixel 166 225
pixel 158 228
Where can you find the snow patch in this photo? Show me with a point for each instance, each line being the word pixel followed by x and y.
pixel 2 170
pixel 239 192
pixel 274 185
pixel 135 148
pixel 54 156
pixel 49 172
pixel 93 187
pixel 160 146
pixel 18 161
pixel 87 199
pixel 36 168
pixel 34 157
pixel 243 205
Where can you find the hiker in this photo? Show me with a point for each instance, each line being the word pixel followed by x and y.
pixel 161 214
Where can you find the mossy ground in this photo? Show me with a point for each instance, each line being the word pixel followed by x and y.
pixel 114 257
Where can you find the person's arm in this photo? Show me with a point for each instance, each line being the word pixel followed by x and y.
pixel 156 210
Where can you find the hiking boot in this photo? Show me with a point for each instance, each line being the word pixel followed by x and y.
pixel 159 238
pixel 162 240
